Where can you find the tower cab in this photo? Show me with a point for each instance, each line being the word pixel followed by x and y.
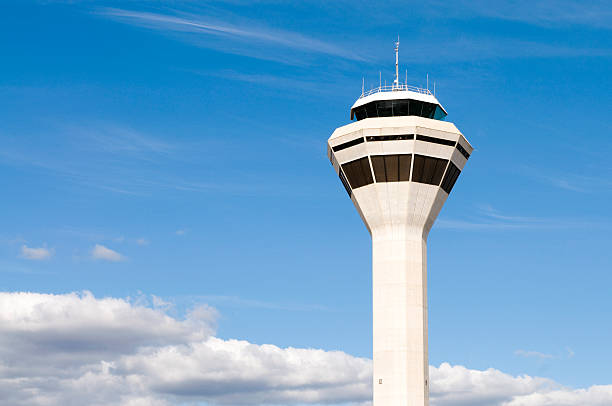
pixel 396 101
pixel 398 134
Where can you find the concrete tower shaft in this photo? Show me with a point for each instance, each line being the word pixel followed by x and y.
pixel 398 172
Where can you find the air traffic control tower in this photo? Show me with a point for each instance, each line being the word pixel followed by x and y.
pixel 398 161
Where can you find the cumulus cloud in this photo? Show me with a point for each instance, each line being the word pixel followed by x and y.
pixel 76 349
pixel 238 372
pixel 100 252
pixel 36 254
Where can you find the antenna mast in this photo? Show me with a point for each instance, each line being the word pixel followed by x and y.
pixel 396 82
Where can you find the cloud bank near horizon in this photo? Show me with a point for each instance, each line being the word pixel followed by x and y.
pixel 75 349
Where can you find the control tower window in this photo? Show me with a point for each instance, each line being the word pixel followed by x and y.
pixel 359 113
pixel 392 168
pixel 397 108
pixel 345 184
pixel 358 172
pixel 348 144
pixel 385 108
pixel 452 173
pixel 426 109
pixel 400 107
pixel 370 110
pixel 439 114
pixel 428 170
pixel 463 151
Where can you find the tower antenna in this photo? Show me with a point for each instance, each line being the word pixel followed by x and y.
pixel 396 83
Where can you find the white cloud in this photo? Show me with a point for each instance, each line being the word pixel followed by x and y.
pixel 249 33
pixel 106 254
pixel 238 372
pixel 36 254
pixel 180 232
pixel 76 349
pixel 124 140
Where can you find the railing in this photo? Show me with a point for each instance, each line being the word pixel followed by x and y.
pixel 395 88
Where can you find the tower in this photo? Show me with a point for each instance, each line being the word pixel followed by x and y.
pixel 399 161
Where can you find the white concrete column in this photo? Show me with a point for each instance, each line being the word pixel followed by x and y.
pixel 399 282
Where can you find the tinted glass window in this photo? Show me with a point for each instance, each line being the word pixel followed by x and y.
pixel 360 113
pixel 348 144
pixel 428 110
pixel 415 108
pixel 385 108
pixel 392 168
pixel 371 110
pixel 358 172
pixel 395 137
pixel 400 108
pixel 463 151
pixel 404 167
pixel 452 173
pixel 439 114
pixel 389 108
pixel 428 169
pixel 345 183
pixel 435 140
pixel 378 164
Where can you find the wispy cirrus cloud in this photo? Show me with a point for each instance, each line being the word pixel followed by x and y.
pixel 247 33
pixel 99 155
pixel 489 218
pixel 217 33
pixel 533 354
pixel 304 84
pixel 572 182
pixel 569 353
pixel 121 160
pixel 548 13
pixel 125 140
pixel 466 48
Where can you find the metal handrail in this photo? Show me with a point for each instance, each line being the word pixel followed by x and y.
pixel 395 88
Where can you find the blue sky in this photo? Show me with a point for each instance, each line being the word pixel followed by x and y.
pixel 177 149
